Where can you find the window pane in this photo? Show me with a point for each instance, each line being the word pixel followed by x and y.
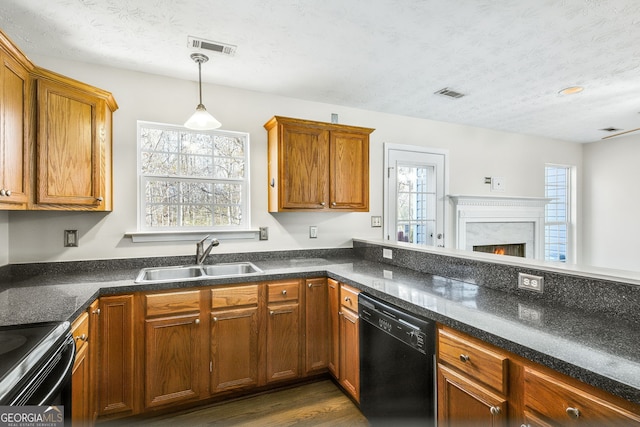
pixel 192 178
pixel 557 212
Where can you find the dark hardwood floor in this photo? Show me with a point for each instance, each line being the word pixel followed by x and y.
pixel 316 404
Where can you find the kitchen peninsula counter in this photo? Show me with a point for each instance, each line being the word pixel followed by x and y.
pixel 597 349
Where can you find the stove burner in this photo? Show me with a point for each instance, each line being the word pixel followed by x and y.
pixel 10 342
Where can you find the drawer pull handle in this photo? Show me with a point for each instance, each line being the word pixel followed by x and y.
pixel 275 313
pixel 464 358
pixel 495 410
pixel 573 412
pixel 284 292
pixel 347 299
pixel 96 311
pixel 82 337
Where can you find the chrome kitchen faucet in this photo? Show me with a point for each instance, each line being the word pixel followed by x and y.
pixel 201 253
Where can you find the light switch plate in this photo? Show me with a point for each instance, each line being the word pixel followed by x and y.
pixel 313 232
pixel 376 221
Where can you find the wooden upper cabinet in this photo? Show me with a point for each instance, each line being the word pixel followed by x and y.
pixel 73 145
pixel 316 166
pixel 15 84
pixel 349 171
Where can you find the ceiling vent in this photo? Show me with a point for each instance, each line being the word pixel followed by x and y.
pixel 449 93
pixel 211 46
pixel 610 129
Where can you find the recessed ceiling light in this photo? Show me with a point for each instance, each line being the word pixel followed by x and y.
pixel 571 90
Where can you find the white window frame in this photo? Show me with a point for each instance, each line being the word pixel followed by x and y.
pixel 571 218
pixel 241 231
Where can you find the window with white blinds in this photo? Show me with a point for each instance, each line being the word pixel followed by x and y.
pixel 557 213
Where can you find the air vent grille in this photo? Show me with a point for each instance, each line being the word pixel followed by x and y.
pixel 610 129
pixel 450 93
pixel 211 46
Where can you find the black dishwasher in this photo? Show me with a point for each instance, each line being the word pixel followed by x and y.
pixel 396 365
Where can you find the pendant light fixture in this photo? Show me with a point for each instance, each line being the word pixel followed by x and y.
pixel 201 119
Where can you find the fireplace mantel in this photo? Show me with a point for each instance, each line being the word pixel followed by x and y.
pixel 499 209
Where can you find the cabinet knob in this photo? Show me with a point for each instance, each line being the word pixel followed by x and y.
pixel 322 203
pixel 197 321
pixel 215 319
pixel 99 199
pixel 82 337
pixel 7 192
pixel 573 412
pixel 495 410
pixel 333 203
pixel 284 292
pixel 464 358
pixel 3 192
pixel 96 311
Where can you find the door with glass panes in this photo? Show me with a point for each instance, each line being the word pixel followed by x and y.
pixel 415 201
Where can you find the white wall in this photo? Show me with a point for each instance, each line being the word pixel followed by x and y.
pixel 474 154
pixel 4 238
pixel 611 228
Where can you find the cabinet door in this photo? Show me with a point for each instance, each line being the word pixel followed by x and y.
pixel 80 384
pixel 172 357
pixel 72 141
pixel 14 114
pixel 116 355
pixel 349 171
pixel 350 353
pixel 234 349
pixel 334 326
pixel 304 168
pixel 316 325
pixel 94 341
pixel 462 402
pixel 283 342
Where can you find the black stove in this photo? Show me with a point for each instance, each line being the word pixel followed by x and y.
pixel 35 364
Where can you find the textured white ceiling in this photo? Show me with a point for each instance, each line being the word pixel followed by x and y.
pixel 511 57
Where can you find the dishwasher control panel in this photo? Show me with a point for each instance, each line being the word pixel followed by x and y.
pixel 403 326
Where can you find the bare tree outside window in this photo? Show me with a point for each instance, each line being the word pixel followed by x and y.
pixel 192 179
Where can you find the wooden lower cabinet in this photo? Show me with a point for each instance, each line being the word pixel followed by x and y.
pixel 283 331
pixel 116 381
pixel 333 295
pixel 558 401
pixel 350 353
pixel 463 402
pixel 234 338
pixel 172 360
pixel 81 374
pixel 316 327
pixel 344 324
pixel 480 384
pixel 172 342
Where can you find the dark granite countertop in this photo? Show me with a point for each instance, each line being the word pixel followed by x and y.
pixel 595 349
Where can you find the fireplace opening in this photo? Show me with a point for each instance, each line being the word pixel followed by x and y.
pixel 511 249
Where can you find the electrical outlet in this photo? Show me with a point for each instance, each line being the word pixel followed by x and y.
pixel 387 253
pixel 530 282
pixel 70 238
pixel 313 232
pixel 498 183
pixel 264 233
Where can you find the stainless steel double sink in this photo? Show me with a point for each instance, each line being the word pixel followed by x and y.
pixel 184 273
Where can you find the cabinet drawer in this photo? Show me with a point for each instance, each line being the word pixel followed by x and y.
pixel 349 297
pixel 80 330
pixel 234 296
pixel 172 303
pixel 557 400
pixel 477 361
pixel 286 291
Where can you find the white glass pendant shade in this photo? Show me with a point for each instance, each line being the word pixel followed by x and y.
pixel 201 119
